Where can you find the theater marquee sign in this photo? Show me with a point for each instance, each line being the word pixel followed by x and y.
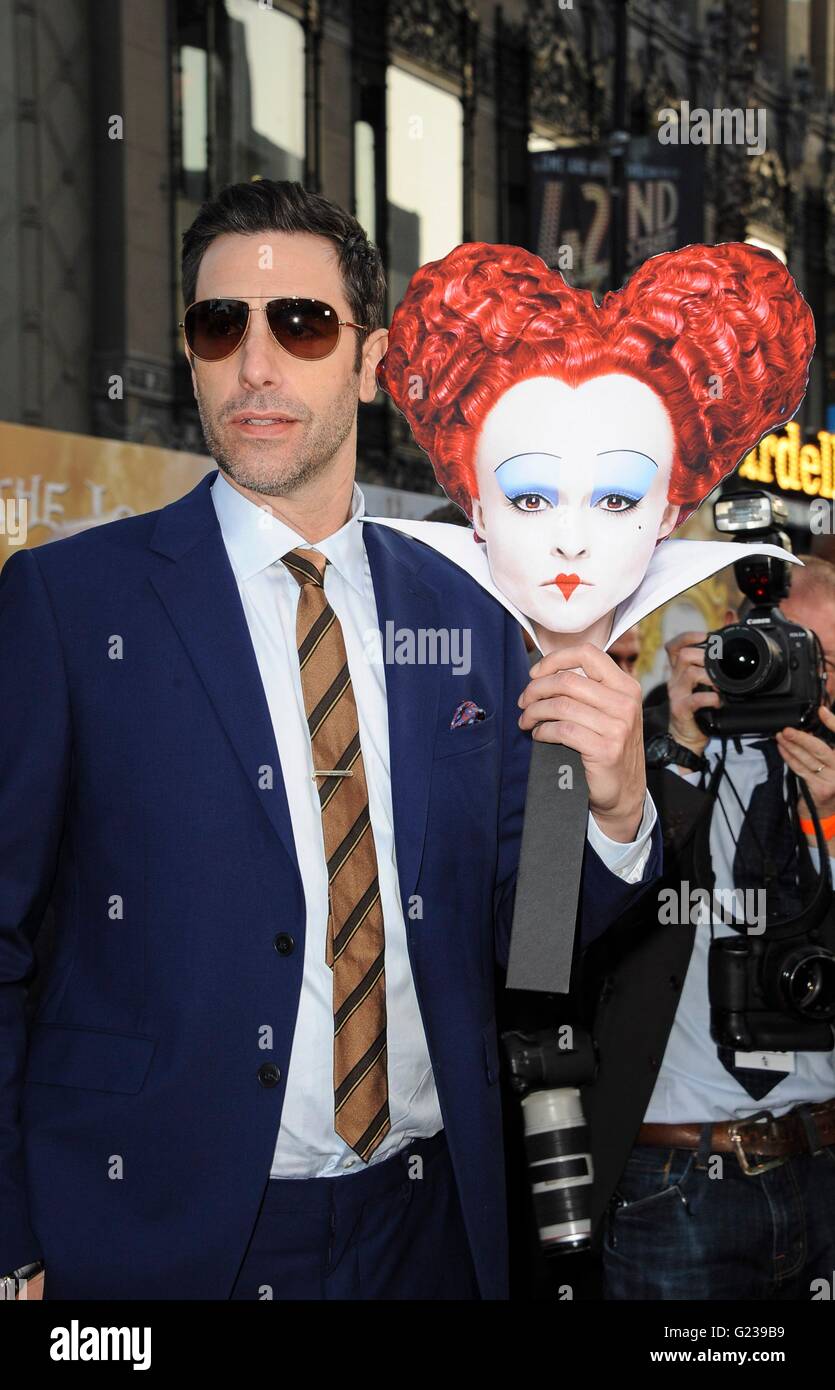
pixel 785 462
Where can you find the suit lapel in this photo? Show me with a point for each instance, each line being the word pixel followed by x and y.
pixel 201 597
pixel 406 604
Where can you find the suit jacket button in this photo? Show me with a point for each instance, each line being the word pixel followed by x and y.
pixel 284 944
pixel 269 1074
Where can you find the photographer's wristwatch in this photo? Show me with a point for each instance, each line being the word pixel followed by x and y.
pixel 11 1284
pixel 663 751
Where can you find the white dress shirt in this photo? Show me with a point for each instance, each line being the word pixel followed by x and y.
pixel 692 1084
pixel 307 1144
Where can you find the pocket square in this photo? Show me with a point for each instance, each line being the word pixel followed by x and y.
pixel 467 713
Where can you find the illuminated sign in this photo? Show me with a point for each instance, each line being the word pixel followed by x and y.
pixel 784 461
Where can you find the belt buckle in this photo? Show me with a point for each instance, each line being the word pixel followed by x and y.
pixel 752 1169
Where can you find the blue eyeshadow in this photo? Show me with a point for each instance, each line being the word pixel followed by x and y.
pixel 529 473
pixel 624 473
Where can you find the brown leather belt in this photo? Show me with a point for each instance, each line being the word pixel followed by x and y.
pixel 762 1135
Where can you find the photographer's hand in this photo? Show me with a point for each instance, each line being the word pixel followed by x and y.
pixel 813 760
pixel 687 667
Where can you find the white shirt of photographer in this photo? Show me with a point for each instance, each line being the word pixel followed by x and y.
pixel 307 1145
pixel 692 1084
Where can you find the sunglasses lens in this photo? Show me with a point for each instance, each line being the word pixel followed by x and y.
pixel 305 327
pixel 215 327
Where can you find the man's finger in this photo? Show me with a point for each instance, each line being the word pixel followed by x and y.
pixel 811 753
pixel 684 639
pixel 803 741
pixel 689 679
pixel 572 735
pixel 582 689
pixel 565 708
pixel 793 761
pixel 689 656
pixel 704 699
pixel 596 664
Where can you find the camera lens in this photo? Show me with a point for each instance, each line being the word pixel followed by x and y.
pixel 740 659
pixel 557 1147
pixel 808 982
pixel 747 660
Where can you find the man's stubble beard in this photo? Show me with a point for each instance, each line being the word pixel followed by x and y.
pixel 321 441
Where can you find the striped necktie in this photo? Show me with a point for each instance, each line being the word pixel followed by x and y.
pixel 355 948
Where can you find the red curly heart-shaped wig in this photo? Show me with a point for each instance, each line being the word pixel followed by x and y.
pixel 721 333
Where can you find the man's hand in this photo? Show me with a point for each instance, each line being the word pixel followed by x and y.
pixel 32 1289
pixel 599 715
pixel 813 760
pixel 687 669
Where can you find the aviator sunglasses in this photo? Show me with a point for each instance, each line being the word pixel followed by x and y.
pixel 306 328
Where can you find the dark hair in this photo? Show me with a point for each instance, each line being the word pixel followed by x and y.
pixel 816 579
pixel 279 205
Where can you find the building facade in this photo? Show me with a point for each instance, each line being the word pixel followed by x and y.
pixel 435 121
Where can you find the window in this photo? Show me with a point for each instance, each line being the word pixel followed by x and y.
pixel 537 143
pixel 194 152
pixel 364 180
pixel 261 119
pixel 240 99
pixel 425 174
pixel 241 94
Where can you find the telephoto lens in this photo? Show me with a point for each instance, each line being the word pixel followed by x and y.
pixel 559 1168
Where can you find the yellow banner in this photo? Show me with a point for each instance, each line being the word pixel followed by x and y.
pixel 54 484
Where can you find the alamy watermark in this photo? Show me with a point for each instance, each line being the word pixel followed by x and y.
pixel 420 646
pixel 700 906
pixel 14 519
pixel 717 126
pixel 80 1342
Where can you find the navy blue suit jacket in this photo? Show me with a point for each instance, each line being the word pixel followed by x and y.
pixel 136 1135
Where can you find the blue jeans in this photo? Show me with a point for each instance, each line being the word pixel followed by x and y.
pixel 675 1232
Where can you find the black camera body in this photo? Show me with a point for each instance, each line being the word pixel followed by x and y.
pixel 770 674
pixel 769 671
pixel 773 993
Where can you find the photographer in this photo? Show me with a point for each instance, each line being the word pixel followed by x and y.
pixel 715 1167
pixel 626 651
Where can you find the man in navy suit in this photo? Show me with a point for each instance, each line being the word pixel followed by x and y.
pixel 209 1104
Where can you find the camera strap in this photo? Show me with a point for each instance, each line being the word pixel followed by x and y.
pixel 550 871
pixel 821 904
pixel 703 875
pixel 702 867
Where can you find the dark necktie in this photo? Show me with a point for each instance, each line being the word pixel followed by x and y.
pixel 766 853
pixel 766 858
pixel 355 936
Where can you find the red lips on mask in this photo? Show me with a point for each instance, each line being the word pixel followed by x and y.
pixel 567 583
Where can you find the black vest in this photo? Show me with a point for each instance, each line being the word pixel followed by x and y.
pixel 631 979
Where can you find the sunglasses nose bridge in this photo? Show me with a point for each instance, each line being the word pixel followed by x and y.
pixel 267 334
pixel 262 358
